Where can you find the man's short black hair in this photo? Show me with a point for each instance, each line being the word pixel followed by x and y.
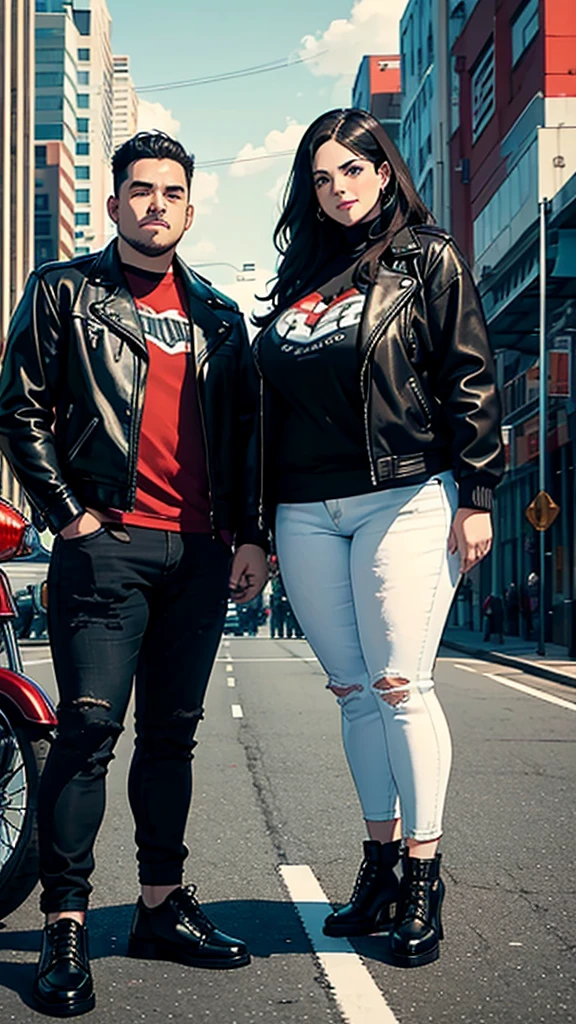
pixel 146 145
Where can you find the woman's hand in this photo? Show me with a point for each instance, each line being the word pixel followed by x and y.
pixel 471 536
pixel 249 573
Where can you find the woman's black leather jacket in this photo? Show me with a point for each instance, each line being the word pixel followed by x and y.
pixel 72 394
pixel 425 371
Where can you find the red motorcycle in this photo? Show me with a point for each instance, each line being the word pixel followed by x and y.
pixel 27 719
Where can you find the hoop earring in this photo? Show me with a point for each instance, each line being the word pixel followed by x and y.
pixel 320 214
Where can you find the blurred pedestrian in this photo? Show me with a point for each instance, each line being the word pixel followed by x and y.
pixel 493 610
pixel 382 449
pixel 512 601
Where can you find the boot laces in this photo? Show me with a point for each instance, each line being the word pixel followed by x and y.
pixel 416 905
pixel 65 944
pixel 365 877
pixel 190 910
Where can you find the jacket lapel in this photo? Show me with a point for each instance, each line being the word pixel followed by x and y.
pixel 390 293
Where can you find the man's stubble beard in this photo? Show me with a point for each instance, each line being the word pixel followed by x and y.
pixel 148 248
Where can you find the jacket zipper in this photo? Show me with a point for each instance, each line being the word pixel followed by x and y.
pixel 261 418
pixel 421 401
pixel 83 437
pixel 207 454
pixel 373 339
pixel 133 440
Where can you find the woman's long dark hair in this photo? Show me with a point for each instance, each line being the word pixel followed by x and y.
pixel 305 242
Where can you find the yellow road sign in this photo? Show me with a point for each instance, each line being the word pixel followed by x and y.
pixel 542 512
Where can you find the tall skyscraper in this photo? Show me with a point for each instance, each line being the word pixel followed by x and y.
pixel 16 151
pixel 55 131
pixel 94 123
pixel 125 102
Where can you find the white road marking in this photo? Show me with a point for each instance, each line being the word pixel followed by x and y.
pixel 229 667
pixel 237 711
pixel 254 661
pixel 40 661
pixel 466 668
pixel 357 994
pixel 532 692
pixel 231 681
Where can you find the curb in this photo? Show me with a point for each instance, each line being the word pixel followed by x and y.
pixel 534 669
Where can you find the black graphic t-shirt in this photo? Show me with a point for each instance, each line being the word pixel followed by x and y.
pixel 309 356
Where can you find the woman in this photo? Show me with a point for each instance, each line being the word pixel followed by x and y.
pixel 382 450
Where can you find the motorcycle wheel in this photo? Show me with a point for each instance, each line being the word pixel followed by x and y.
pixel 22 757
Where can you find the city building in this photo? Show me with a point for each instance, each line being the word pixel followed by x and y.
pixel 55 131
pixel 377 89
pixel 425 30
pixel 16 172
pixel 125 118
pixel 516 65
pixel 95 104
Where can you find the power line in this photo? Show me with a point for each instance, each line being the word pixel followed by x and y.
pixel 244 159
pixel 256 69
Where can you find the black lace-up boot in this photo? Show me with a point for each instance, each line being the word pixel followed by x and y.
pixel 418 928
pixel 375 889
pixel 179 930
pixel 63 986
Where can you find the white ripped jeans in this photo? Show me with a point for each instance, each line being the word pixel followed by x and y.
pixel 371 582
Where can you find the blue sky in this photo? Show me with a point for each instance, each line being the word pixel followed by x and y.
pixel 236 204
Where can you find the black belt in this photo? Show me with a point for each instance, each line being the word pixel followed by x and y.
pixel 393 467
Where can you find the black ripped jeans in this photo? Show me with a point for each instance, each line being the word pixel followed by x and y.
pixel 152 609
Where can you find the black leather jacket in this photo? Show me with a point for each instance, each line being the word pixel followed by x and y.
pixel 72 394
pixel 426 373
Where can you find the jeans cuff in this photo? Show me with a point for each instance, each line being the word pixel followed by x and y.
pixel 151 874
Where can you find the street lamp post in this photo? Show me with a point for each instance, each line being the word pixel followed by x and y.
pixel 543 414
pixel 247 272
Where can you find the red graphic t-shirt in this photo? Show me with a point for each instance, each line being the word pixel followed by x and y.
pixel 172 486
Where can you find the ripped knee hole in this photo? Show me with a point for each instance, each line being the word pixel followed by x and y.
pixel 393 689
pixel 344 691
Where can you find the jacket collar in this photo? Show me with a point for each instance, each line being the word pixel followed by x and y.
pixel 405 243
pixel 210 314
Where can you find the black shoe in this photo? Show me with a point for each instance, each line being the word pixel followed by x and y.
pixel 63 986
pixel 376 888
pixel 179 930
pixel 418 928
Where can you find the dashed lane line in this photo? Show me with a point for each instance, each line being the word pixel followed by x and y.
pixel 237 711
pixel 466 668
pixel 229 667
pixel 355 991
pixel 231 681
pixel 254 661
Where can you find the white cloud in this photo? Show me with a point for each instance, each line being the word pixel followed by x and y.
pixel 204 191
pixel 155 117
pixel 197 252
pixel 251 159
pixel 277 191
pixel 372 28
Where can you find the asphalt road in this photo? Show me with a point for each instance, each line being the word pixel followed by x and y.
pixel 276 829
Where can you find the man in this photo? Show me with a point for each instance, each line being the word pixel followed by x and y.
pixel 128 412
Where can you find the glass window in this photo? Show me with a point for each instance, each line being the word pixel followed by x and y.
pixel 83 100
pixel 483 92
pixel 83 78
pixel 82 195
pixel 49 56
pixel 83 54
pixel 49 33
pixel 83 149
pixel 49 103
pixel 46 79
pixel 41 201
pixel 82 219
pixel 524 28
pixel 83 125
pixel 49 131
pixel 42 225
pixel 82 250
pixel 40 156
pixel 83 173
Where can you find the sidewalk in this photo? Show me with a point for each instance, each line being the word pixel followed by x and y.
pixel 516 653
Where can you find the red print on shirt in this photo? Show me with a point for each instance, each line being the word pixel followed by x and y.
pixel 172 488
